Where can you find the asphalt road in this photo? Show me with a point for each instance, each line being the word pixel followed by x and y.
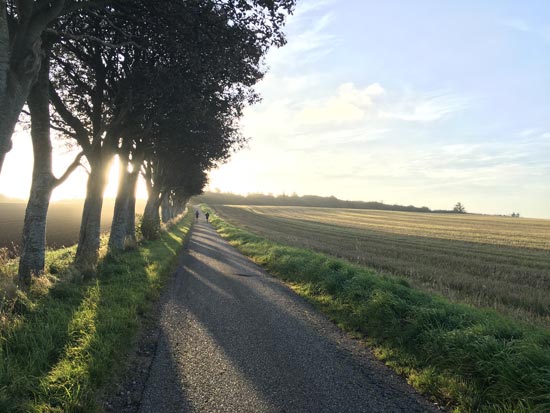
pixel 234 339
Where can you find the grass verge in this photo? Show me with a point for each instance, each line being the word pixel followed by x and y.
pixel 67 337
pixel 469 359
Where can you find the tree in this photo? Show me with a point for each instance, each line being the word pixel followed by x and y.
pixel 97 45
pixel 459 208
pixel 22 24
pixel 225 62
pixel 33 243
pixel 217 46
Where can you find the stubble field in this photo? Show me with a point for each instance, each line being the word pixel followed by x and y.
pixel 63 222
pixel 496 262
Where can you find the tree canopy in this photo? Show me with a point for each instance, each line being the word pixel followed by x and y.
pixel 161 84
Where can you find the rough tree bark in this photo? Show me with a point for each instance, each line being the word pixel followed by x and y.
pixel 5 145
pixel 150 225
pixel 20 58
pixel 87 253
pixel 33 245
pixel 131 212
pixel 118 238
pixel 166 210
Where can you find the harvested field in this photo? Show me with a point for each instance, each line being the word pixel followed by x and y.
pixel 63 222
pixel 497 262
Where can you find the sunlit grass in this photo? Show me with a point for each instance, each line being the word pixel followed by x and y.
pixel 469 359
pixel 63 341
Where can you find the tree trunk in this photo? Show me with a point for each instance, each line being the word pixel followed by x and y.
pixel 5 143
pixel 124 213
pixel 120 213
pixel 131 211
pixel 150 225
pixel 18 71
pixel 33 245
pixel 87 253
pixel 181 206
pixel 166 210
pixel 12 98
pixel 20 58
pixel 4 45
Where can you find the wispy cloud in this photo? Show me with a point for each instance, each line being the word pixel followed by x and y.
pixel 516 24
pixel 309 36
pixel 307 7
pixel 350 112
pixel 425 107
pixel 352 104
pixel 523 26
pixel 351 116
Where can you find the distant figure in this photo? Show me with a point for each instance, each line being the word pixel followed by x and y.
pixel 207 215
pixel 197 214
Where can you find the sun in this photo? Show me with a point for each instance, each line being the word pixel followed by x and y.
pixel 114 176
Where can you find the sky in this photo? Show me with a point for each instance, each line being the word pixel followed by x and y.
pixel 427 103
pixel 424 103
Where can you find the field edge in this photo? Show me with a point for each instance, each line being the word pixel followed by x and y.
pixel 463 358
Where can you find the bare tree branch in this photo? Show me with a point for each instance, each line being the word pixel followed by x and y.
pixel 81 133
pixel 112 24
pixel 63 130
pixel 72 6
pixel 75 164
pixel 45 12
pixel 80 37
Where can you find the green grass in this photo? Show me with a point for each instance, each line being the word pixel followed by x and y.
pixel 471 360
pixel 64 340
pixel 497 262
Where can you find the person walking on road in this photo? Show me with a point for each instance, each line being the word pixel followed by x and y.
pixel 197 214
pixel 207 215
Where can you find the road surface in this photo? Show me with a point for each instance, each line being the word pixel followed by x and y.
pixel 234 339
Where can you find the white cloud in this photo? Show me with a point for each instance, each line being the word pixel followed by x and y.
pixel 305 8
pixel 525 133
pixel 350 115
pixel 332 111
pixel 348 92
pixel 459 149
pixel 516 24
pixel 425 107
pixel 349 105
pixel 520 25
pixel 309 38
pixel 352 104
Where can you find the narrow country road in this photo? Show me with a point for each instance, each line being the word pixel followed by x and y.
pixel 234 339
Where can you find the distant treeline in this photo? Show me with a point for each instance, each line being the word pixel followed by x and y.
pixel 220 198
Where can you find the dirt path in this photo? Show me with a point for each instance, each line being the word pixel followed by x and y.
pixel 234 339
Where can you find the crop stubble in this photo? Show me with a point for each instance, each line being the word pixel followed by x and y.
pixel 497 262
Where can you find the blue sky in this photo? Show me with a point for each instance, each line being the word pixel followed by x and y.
pixel 424 103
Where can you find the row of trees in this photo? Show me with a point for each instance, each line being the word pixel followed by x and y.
pixel 160 84
pixel 220 198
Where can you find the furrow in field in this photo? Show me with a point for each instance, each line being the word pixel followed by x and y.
pixel 511 279
pixel 501 230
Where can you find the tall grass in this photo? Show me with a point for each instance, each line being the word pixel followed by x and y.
pixel 66 337
pixel 469 359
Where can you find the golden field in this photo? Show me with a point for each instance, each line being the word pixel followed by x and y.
pixel 488 261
